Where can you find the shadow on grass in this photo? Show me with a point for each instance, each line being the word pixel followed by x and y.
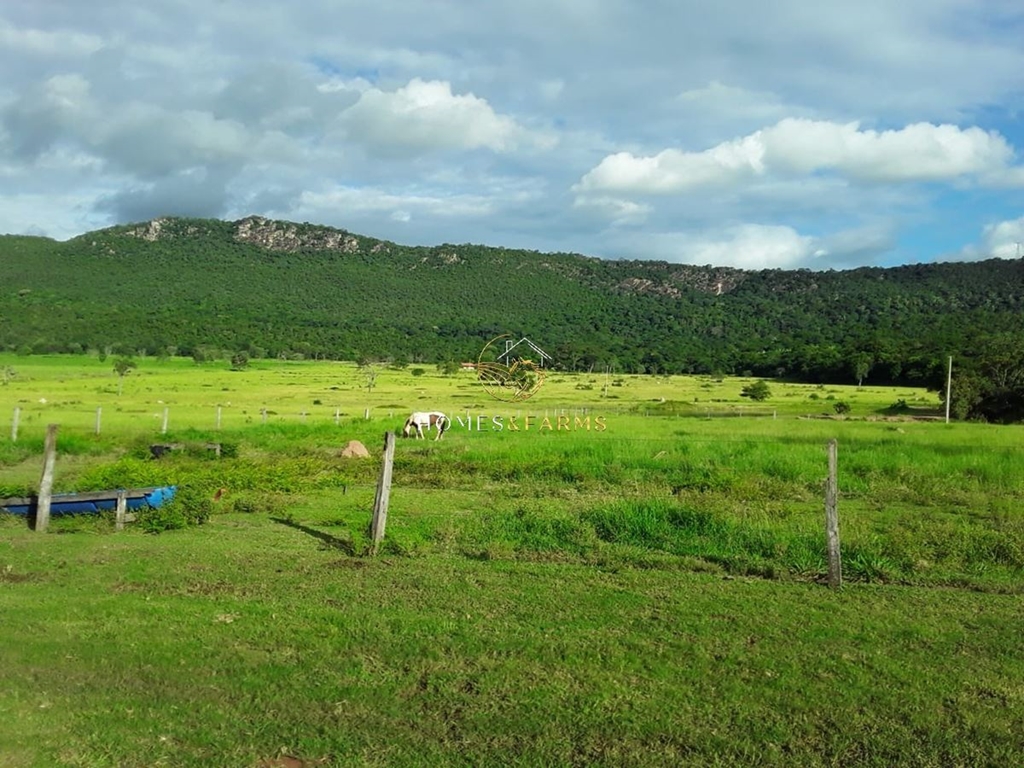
pixel 332 542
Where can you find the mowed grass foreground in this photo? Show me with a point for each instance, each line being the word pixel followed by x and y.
pixel 643 595
pixel 248 638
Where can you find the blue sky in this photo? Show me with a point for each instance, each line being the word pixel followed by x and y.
pixel 758 135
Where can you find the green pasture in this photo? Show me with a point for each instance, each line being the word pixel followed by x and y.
pixel 69 389
pixel 649 593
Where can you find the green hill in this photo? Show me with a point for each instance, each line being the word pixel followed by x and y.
pixel 279 288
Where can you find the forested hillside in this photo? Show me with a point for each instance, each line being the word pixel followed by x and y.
pixel 276 288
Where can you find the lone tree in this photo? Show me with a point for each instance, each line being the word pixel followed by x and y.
pixel 370 371
pixel 122 366
pixel 759 391
pixel 861 366
pixel 240 361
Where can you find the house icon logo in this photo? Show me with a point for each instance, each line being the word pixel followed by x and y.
pixel 511 376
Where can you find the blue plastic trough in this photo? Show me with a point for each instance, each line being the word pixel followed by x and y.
pixel 92 502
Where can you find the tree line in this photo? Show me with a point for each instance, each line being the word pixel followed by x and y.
pixel 199 290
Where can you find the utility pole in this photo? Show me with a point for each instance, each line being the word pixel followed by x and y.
pixel 949 386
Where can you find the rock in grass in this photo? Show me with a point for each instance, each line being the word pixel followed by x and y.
pixel 354 450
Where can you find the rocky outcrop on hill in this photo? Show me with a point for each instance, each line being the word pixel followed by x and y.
pixel 672 279
pixel 285 236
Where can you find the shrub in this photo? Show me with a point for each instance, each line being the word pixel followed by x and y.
pixel 841 407
pixel 418 371
pixel 191 505
pixel 759 391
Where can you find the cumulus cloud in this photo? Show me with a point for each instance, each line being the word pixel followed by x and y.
pixel 918 152
pixel 476 120
pixel 755 246
pixel 425 115
pixel 746 246
pixel 1002 240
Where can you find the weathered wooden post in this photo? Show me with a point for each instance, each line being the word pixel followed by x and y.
pixel 14 424
pixel 218 416
pixel 835 565
pixel 99 418
pixel 380 501
pixel 120 510
pixel 337 416
pixel 366 414
pixel 263 415
pixel 163 429
pixel 303 417
pixel 46 482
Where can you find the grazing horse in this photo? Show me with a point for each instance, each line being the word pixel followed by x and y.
pixel 427 419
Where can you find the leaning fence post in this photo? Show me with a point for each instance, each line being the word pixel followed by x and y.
pixel 14 424
pixel 380 501
pixel 46 482
pixel 835 565
pixel 120 509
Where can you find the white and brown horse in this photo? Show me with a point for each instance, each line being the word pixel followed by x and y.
pixel 427 419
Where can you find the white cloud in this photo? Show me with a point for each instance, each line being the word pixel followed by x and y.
pixel 441 128
pixel 618 210
pixel 402 207
pixel 68 214
pixel 747 246
pixel 918 152
pixel 426 115
pixel 1003 240
pixel 39 42
pixel 673 171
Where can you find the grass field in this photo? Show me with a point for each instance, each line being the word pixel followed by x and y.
pixel 645 594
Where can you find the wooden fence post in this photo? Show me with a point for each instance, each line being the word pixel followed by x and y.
pixel 380 501
pixel 99 417
pixel 366 414
pixel 337 416
pixel 835 565
pixel 14 424
pixel 163 429
pixel 218 416
pixel 263 415
pixel 120 509
pixel 46 482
